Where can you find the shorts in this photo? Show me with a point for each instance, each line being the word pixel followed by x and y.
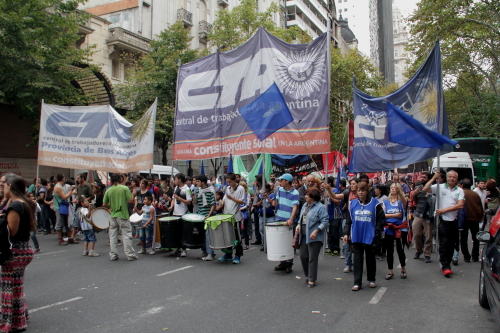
pixel 146 234
pixel 88 236
pixel 62 222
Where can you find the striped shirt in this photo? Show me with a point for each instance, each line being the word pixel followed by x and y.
pixel 204 210
pixel 286 201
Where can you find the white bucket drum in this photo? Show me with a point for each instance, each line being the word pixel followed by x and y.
pixel 100 219
pixel 279 239
pixel 135 219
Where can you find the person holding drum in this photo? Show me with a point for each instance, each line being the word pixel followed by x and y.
pixel 116 198
pixel 83 194
pixel 287 202
pixel 234 196
pixel 313 222
pixel 182 199
pixel 205 196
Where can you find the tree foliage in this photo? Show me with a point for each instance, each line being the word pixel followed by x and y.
pixel 469 34
pixel 155 76
pixel 38 53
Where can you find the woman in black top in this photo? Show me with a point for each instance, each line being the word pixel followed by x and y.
pixel 21 220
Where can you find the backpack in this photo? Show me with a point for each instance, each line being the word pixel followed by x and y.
pixel 5 243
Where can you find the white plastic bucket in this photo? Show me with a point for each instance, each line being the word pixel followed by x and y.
pixel 279 242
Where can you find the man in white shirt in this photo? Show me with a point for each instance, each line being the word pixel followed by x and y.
pixel 481 190
pixel 451 200
pixel 182 199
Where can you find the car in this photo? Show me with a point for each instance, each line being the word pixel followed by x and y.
pixel 489 276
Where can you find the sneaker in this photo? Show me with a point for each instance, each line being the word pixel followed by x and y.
pixel 93 254
pixel 38 250
pixel 113 258
pixel 372 284
pixel 175 252
pixel 336 253
pixel 62 242
pixel 455 262
pixel 151 251
pixel 132 257
pixel 355 287
pixel 447 272
pixel 417 255
pixel 328 251
pixel 342 257
pixel 119 243
pixel 209 257
pixel 347 269
pixel 203 256
pixel 288 269
pixel 85 253
pixel 72 241
pixel 236 260
pixel 427 260
pixel 280 267
pixel 184 253
pixel 142 251
pixel 226 257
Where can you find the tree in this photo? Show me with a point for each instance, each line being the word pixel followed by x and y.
pixel 344 68
pixel 469 34
pixel 38 54
pixel 155 76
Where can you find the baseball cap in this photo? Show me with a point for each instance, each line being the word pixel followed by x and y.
pixel 286 176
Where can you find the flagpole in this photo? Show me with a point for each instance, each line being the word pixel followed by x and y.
pixel 264 201
pixel 436 220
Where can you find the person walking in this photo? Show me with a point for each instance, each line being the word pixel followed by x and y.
pixel 116 199
pixel 473 216
pixel 423 223
pixel 313 222
pixel 20 217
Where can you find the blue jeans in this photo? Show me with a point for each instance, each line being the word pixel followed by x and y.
pixel 146 234
pixel 262 226
pixel 208 249
pixel 346 249
pixel 34 239
pixel 88 236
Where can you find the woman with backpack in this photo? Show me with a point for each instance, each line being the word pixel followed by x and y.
pixel 20 217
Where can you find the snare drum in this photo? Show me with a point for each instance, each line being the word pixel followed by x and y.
pixel 100 219
pixel 279 241
pixel 193 230
pixel 171 232
pixel 135 219
pixel 221 231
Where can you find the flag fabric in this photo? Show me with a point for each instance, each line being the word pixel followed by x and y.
pixel 408 131
pixel 230 164
pixel 202 169
pixel 217 92
pixel 267 114
pixel 337 181
pixel 421 98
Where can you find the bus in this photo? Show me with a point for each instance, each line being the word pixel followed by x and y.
pixel 484 154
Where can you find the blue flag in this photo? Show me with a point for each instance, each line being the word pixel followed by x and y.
pixel 408 131
pixel 268 113
pixel 230 163
pixel 421 98
pixel 337 181
pixel 202 169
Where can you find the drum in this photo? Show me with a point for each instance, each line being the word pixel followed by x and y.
pixel 193 230
pixel 100 219
pixel 221 231
pixel 279 238
pixel 135 219
pixel 171 232
pixel 157 228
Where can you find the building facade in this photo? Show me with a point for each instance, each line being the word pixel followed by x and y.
pixel 400 42
pixel 381 37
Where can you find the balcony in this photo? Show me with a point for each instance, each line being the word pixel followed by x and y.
pixel 293 5
pixel 294 19
pixel 125 40
pixel 223 3
pixel 85 28
pixel 185 17
pixel 204 29
pixel 319 7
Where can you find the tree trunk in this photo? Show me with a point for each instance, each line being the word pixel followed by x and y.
pixel 164 148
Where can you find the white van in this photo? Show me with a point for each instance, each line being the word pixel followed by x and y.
pixel 160 171
pixel 460 162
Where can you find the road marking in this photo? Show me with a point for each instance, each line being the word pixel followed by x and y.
pixel 399 266
pixel 175 270
pixel 378 295
pixel 55 304
pixel 42 254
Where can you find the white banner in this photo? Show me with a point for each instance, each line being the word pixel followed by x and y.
pixel 95 138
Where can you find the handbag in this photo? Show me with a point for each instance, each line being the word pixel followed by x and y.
pixel 63 207
pixel 295 242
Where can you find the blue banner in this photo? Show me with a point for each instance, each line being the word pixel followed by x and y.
pixel 421 98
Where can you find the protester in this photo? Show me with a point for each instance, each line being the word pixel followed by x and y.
pixel 364 227
pixel 481 191
pixel 181 204
pixel 36 206
pixel 146 229
pixel 257 187
pixel 84 193
pixel 350 194
pixel 265 202
pixel 60 198
pixel 423 223
pixel 334 208
pixel 396 229
pixel 116 198
pixel 451 199
pixel 312 225
pixel 20 217
pixel 244 211
pixel 473 216
pixel 205 195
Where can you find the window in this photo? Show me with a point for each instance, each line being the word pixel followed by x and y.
pixel 114 18
pixel 345 9
pixel 115 69
pixel 340 1
pixel 396 53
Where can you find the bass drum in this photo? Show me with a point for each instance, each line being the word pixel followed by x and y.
pixel 100 219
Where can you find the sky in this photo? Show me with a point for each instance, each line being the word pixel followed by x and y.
pixel 359 22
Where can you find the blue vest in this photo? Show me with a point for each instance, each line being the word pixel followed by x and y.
pixel 364 220
pixel 391 209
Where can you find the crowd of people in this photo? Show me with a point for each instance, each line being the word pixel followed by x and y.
pixel 359 219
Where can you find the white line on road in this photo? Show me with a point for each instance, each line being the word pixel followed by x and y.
pixel 175 270
pixel 55 304
pixel 42 254
pixel 399 266
pixel 378 295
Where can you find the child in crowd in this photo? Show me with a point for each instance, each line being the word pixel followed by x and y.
pixel 88 233
pixel 219 196
pixel 31 196
pixel 147 224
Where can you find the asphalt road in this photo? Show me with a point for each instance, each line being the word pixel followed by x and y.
pixel 67 292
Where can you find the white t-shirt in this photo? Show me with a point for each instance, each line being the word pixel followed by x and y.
pixel 180 208
pixel 482 194
pixel 231 207
pixel 448 197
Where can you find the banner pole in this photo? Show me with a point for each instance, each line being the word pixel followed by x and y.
pixel 37 165
pixel 436 220
pixel 264 200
